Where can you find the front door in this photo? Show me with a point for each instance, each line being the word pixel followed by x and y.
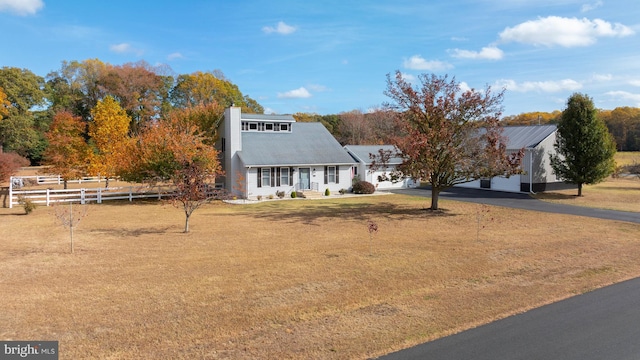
pixel 304 178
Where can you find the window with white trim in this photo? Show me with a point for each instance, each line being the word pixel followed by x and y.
pixel 284 177
pixel 266 177
pixel 331 174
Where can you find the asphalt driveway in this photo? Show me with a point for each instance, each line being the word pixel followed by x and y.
pixel 523 201
pixel 602 324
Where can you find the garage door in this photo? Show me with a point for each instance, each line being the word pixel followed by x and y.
pixel 511 184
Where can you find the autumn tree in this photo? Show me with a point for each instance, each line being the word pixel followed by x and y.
pixel 139 90
pixel 532 118
pixel 354 128
pixel 585 148
pixel 175 151
pixel 109 133
pixel 624 124
pixel 201 88
pixel 76 86
pixel 449 136
pixel 205 117
pixel 68 154
pixel 4 104
pixel 10 163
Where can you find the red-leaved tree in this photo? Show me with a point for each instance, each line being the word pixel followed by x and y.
pixel 449 136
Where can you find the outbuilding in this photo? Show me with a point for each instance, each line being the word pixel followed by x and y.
pixel 537 174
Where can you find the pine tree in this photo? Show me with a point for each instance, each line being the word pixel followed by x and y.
pixel 584 146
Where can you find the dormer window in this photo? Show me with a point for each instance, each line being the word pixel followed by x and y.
pixel 265 126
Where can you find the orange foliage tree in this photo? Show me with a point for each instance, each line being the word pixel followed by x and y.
pixel 68 153
pixel 175 150
pixel 109 133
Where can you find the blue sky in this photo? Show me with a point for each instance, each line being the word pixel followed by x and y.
pixel 327 57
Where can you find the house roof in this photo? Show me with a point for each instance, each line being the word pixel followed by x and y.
pixel 306 144
pixel 527 136
pixel 361 153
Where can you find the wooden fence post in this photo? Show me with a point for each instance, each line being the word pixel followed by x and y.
pixel 99 195
pixel 130 193
pixel 48 197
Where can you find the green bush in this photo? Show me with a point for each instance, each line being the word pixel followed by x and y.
pixel 327 192
pixel 294 195
pixel 363 187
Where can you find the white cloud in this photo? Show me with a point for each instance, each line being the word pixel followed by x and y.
pixel 566 32
pixel 21 7
pixel 464 87
pixel 408 78
pixel 417 62
pixel 544 86
pixel 299 93
pixel 487 53
pixel 634 82
pixel 625 96
pixel 269 110
pixel 175 56
pixel 589 7
pixel 602 77
pixel 281 28
pixel 125 48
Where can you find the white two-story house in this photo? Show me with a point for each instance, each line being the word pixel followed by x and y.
pixel 265 154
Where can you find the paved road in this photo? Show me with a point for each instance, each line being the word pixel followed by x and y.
pixel 602 324
pixel 524 201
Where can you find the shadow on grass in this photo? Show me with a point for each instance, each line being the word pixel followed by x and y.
pixel 318 213
pixel 131 232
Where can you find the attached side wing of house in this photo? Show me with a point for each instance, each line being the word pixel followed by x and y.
pixel 377 176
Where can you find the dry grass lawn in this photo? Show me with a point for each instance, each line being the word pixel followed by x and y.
pixel 291 279
pixel 621 193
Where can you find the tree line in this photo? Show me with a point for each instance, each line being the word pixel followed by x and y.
pixel 28 104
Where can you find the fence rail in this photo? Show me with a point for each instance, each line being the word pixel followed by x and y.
pixel 20 181
pixel 83 196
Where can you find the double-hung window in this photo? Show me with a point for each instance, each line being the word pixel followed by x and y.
pixel 284 177
pixel 331 175
pixel 266 177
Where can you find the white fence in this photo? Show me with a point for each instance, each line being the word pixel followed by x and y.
pixel 20 181
pixel 83 196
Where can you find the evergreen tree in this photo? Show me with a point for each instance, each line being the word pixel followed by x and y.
pixel 584 146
